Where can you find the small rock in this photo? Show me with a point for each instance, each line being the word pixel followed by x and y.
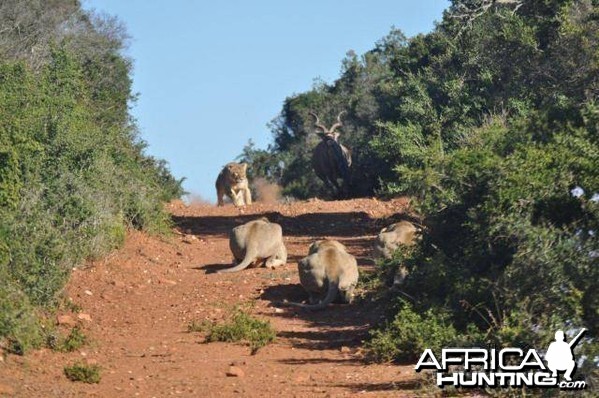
pixel 65 320
pixel 235 371
pixel 238 363
pixel 84 317
pixel 345 350
pixel 118 283
pixel 88 292
pixel 164 281
pixel 279 310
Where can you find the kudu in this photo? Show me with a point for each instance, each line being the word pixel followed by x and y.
pixel 331 161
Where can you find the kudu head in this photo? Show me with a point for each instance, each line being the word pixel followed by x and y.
pixel 328 133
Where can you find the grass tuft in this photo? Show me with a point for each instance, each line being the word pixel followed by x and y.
pixel 75 340
pixel 83 373
pixel 242 327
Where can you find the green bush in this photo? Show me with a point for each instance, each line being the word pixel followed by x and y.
pixel 241 327
pixel 19 324
pixel 510 249
pixel 73 341
pixel 409 334
pixel 84 373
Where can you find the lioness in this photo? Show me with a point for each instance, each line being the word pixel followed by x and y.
pixel 328 273
pixel 255 242
pixel 391 238
pixel 232 181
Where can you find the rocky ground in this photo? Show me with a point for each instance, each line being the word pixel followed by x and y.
pixel 135 306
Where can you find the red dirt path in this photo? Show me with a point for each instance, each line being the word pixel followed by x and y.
pixel 142 297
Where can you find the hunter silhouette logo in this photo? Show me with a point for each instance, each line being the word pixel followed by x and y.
pixel 559 355
pixel 507 367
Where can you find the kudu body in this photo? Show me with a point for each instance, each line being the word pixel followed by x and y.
pixel 331 161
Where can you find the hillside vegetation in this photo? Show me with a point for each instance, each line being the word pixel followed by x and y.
pixel 73 173
pixel 490 122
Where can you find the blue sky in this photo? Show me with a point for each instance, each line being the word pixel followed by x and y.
pixel 212 74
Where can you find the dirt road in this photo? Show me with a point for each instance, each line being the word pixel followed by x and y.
pixel 136 304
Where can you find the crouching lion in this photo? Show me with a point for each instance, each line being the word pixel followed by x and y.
pixel 255 242
pixel 232 181
pixel 403 233
pixel 328 273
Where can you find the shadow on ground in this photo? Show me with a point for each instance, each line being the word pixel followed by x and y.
pixel 412 385
pixel 336 326
pixel 312 224
pixel 212 268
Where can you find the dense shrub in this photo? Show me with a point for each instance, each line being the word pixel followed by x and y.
pixel 19 325
pixel 73 174
pixel 410 333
